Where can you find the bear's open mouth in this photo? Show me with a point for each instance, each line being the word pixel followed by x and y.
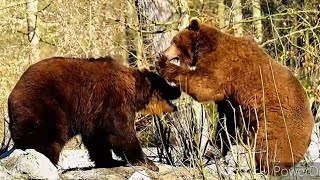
pixel 175 61
pixel 172 84
pixel 174 107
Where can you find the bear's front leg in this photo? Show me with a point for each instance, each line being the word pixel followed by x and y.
pixel 99 150
pixel 169 71
pixel 200 84
pixel 128 147
pixel 125 143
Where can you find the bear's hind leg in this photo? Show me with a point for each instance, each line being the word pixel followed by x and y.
pixel 50 149
pixel 40 126
pixel 274 157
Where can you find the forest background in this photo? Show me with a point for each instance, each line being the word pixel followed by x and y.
pixel 136 30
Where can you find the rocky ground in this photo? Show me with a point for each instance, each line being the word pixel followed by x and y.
pixel 75 164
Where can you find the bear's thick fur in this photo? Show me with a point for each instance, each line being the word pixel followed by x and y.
pixel 236 73
pixel 58 98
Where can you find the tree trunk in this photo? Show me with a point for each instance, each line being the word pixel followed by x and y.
pixel 153 17
pixel 237 9
pixel 94 50
pixel 256 13
pixel 135 41
pixel 33 33
pixel 221 13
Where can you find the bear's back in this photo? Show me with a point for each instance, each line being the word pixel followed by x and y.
pixel 75 72
pixel 69 81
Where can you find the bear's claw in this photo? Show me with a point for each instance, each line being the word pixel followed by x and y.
pixel 148 164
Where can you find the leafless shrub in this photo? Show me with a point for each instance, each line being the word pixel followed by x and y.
pixel 6 140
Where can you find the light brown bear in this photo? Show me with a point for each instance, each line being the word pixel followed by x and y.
pixel 244 81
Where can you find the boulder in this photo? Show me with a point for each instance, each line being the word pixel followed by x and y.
pixel 28 164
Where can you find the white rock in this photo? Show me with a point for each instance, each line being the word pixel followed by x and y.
pixel 31 163
pixel 140 175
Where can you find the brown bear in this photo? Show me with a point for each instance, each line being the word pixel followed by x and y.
pixel 58 98
pixel 257 94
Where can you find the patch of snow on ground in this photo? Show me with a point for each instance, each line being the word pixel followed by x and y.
pixel 74 159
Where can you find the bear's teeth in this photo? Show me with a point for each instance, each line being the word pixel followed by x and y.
pixel 192 68
pixel 172 84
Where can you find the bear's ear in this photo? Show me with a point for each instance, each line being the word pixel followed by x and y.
pixel 194 24
pixel 154 79
pixel 147 69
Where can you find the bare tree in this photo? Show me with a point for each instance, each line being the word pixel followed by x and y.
pixel 237 10
pixel 256 14
pixel 134 35
pixel 33 32
pixel 221 13
pixel 161 19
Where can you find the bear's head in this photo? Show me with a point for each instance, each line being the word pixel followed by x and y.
pixel 162 94
pixel 190 43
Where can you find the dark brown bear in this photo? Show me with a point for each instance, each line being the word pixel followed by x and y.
pixel 236 73
pixel 58 98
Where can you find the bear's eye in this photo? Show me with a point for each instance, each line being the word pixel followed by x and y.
pixel 174 41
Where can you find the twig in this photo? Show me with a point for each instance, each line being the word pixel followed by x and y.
pixel 41 40
pixel 249 20
pixel 16 4
pixel 288 35
pixel 125 49
pixel 137 29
